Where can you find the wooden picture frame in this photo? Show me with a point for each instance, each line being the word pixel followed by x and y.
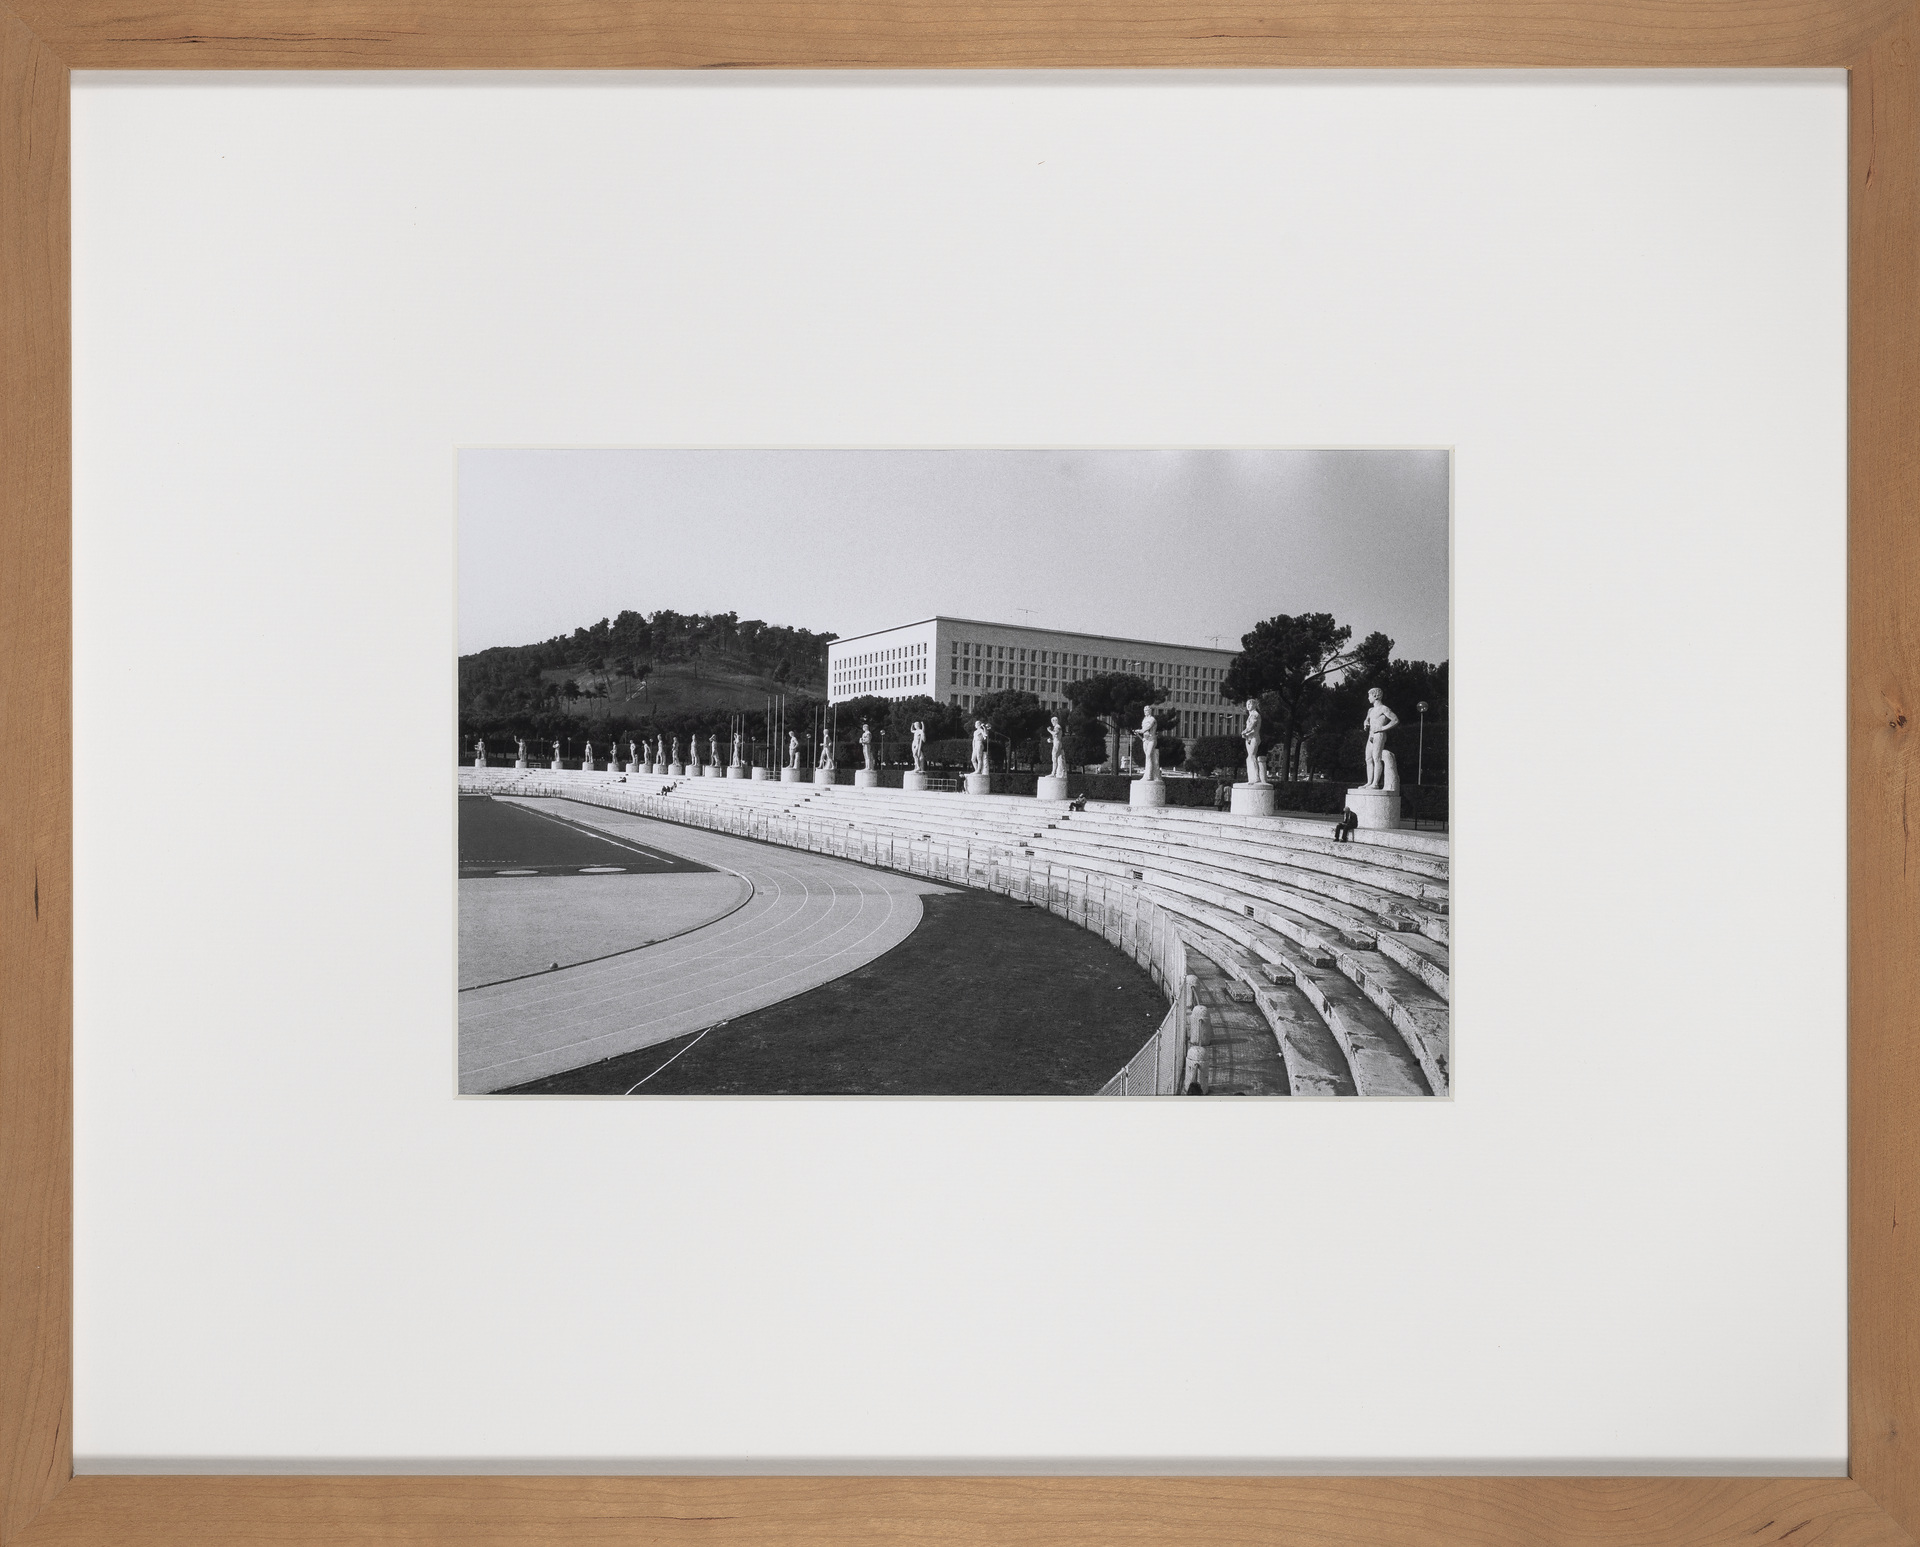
pixel 42 40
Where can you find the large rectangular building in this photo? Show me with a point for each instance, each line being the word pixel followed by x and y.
pixel 959 660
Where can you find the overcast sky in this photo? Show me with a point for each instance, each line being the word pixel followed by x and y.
pixel 1176 546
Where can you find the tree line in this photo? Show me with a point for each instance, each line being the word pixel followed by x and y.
pixel 1308 676
pixel 511 691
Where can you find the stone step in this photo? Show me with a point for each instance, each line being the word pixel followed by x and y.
pixel 1417 1013
pixel 1315 1064
pixel 1241 1057
pixel 1378 1056
pixel 1428 960
pixel 1374 847
pixel 1317 916
pixel 1370 907
pixel 1256 857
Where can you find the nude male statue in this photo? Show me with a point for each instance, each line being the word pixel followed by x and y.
pixel 919 746
pixel 793 749
pixel 1250 735
pixel 1150 743
pixel 1379 720
pixel 480 751
pixel 522 741
pixel 676 749
pixel 866 745
pixel 713 749
pixel 826 749
pixel 736 750
pixel 980 729
pixel 587 761
pixel 1057 740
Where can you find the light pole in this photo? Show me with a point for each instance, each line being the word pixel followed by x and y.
pixel 1420 771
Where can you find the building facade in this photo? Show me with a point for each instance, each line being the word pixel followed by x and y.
pixel 960 660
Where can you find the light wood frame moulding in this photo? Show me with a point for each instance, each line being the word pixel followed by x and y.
pixel 42 40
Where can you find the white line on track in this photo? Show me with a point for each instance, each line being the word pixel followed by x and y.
pixel 813 918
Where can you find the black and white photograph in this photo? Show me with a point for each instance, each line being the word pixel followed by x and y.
pixel 953 772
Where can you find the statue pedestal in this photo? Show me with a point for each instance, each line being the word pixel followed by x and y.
pixel 791 775
pixel 519 762
pixel 823 776
pixel 556 762
pixel 1375 808
pixel 677 770
pixel 479 762
pixel 760 773
pixel 913 781
pixel 1050 788
pixel 979 784
pixel 713 771
pixel 1147 792
pixel 1255 800
pixel 738 770
pixel 866 778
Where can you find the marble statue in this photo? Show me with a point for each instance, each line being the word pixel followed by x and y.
pixel 736 749
pixel 660 751
pixel 522 740
pixel 587 761
pixel 793 749
pixel 480 752
pixel 826 749
pixel 676 749
pixel 980 729
pixel 1057 740
pixel 1379 720
pixel 1250 734
pixel 633 754
pixel 919 746
pixel 1150 745
pixel 866 745
pixel 556 754
pixel 713 749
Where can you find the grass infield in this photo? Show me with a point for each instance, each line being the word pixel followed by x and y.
pixel 988 997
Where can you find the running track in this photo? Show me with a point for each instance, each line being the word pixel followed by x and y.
pixel 812 918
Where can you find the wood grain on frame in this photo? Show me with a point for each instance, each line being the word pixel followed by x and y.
pixel 1003 1512
pixel 1883 816
pixel 41 39
pixel 36 784
pixel 721 34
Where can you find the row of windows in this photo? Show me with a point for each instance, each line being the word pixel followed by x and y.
pixel 880 657
pixel 970 653
pixel 856 683
pixel 878 671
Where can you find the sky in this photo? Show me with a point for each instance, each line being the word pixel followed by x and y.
pixel 1182 547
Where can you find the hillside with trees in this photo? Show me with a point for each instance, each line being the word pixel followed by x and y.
pixel 666 674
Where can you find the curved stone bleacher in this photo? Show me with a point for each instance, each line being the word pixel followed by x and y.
pixel 1342 949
